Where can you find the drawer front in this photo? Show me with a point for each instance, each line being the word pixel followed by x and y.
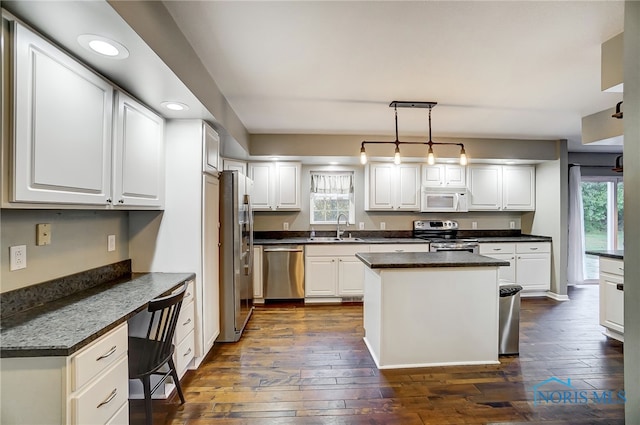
pixel 121 417
pixel 533 247
pixel 335 250
pixel 497 248
pixel 188 293
pixel 185 322
pixel 613 266
pixel 397 247
pixel 184 353
pixel 103 397
pixel 97 356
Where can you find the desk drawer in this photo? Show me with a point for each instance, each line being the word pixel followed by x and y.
pixel 184 353
pixel 185 322
pixel 188 293
pixel 121 417
pixel 103 397
pixel 611 265
pixel 97 356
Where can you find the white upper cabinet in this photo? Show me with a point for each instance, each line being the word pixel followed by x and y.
pixel 276 185
pixel 485 187
pixel 74 144
pixel 63 120
pixel 138 148
pixel 211 154
pixel 444 175
pixel 392 187
pixel 497 187
pixel 233 165
pixel 518 188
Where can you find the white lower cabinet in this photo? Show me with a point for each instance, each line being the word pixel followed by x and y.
pixel 529 264
pixel 399 247
pixel 88 387
pixel 612 297
pixel 333 271
pixel 258 297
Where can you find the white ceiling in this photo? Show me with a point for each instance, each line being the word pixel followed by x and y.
pixel 497 69
pixel 502 69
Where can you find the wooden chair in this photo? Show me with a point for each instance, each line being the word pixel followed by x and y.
pixel 148 355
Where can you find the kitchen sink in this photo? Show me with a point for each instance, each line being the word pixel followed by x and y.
pixel 333 239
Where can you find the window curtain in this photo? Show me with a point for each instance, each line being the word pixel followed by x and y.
pixel 332 183
pixel 575 271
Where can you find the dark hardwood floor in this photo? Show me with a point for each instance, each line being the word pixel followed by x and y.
pixel 309 365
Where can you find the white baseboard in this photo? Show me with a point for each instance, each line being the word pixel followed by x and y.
pixel 557 297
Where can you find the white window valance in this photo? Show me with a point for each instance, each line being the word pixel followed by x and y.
pixel 338 183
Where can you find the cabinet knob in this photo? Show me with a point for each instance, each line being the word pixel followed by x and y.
pixel 109 201
pixel 121 201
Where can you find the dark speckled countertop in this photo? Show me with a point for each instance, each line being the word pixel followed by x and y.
pixel 63 326
pixel 391 240
pixel 617 254
pixel 403 260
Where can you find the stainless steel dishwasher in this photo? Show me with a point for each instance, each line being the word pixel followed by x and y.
pixel 283 272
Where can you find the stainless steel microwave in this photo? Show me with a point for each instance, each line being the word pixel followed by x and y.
pixel 443 201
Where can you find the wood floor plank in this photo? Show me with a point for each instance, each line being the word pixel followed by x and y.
pixel 300 365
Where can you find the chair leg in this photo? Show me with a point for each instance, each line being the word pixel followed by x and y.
pixel 146 384
pixel 174 375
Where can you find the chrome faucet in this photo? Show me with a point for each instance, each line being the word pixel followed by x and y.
pixel 346 222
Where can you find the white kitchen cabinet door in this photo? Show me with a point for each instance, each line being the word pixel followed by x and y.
pixel 444 175
pixel 287 194
pixel 262 175
pixel 380 188
pixel 407 187
pixel 350 276
pixel 518 188
pixel 505 252
pixel 320 277
pixel 138 178
pixel 233 165
pixel 485 187
pixel 399 247
pixel 211 154
pixel 533 271
pixel 390 187
pixel 210 266
pixel 612 302
pixel 63 125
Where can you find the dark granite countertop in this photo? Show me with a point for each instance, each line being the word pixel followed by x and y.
pixel 413 260
pixel 63 326
pixel 394 240
pixel 617 254
pixel 522 238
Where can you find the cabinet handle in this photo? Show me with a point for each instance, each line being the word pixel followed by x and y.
pixel 533 248
pixel 187 353
pixel 108 399
pixel 399 250
pixel 519 258
pixel 621 269
pixel 121 201
pixel 187 322
pixel 188 294
pixel 109 201
pixel 513 258
pixel 497 249
pixel 108 353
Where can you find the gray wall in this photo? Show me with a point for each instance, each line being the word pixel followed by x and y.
pixel 631 211
pixel 78 243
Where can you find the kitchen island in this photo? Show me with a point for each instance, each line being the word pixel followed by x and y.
pixel 611 282
pixel 431 309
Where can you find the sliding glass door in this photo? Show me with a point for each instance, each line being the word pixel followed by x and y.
pixel 603 203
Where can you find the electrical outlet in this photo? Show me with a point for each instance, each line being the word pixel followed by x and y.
pixel 285 226
pixel 474 224
pixel 18 255
pixel 43 234
pixel 361 226
pixel 512 224
pixel 383 225
pixel 111 243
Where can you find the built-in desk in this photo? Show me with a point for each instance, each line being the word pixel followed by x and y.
pixel 66 361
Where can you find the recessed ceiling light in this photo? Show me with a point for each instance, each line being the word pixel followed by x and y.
pixel 175 106
pixel 103 46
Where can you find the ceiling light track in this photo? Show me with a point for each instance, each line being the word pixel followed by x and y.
pixel 430 155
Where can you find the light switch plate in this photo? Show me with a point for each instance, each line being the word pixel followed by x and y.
pixel 512 224
pixel 43 234
pixel 285 226
pixel 383 225
pixel 361 226
pixel 474 224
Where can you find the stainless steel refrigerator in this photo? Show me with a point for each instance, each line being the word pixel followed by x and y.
pixel 236 255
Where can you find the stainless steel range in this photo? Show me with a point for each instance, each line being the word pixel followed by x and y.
pixel 442 236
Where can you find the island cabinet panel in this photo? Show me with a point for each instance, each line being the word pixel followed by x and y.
pixel 612 297
pixel 63 117
pixel 399 302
